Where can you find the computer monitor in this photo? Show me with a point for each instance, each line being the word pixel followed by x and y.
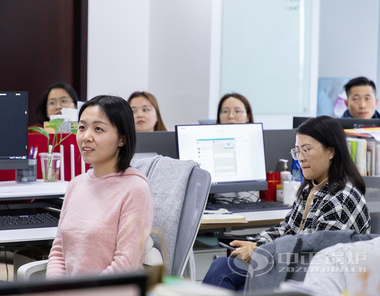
pixel 232 153
pixel 350 123
pixel 346 123
pixel 122 283
pixel 13 130
pixel 298 120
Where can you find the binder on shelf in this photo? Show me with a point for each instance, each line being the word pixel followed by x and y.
pixel 364 147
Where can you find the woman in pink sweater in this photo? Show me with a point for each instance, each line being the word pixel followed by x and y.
pixel 107 213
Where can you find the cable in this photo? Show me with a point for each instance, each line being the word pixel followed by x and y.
pixel 237 197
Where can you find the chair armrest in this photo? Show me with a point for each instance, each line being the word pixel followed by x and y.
pixel 152 255
pixel 25 271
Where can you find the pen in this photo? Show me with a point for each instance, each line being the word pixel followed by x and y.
pixel 208 213
pixel 31 153
pixel 35 153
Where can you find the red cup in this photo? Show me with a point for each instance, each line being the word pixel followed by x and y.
pixel 273 179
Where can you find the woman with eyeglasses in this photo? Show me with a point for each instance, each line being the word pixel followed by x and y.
pixel 58 95
pixel 234 108
pixel 331 197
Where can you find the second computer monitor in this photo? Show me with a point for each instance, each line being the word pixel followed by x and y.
pixel 346 123
pixel 232 153
pixel 14 130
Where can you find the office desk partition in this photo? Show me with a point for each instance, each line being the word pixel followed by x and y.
pixel 72 162
pixel 277 144
pixel 162 143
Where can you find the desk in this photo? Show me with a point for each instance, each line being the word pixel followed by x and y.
pixel 254 219
pixel 27 235
pixel 12 191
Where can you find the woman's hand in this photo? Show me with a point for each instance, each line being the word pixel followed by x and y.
pixel 244 250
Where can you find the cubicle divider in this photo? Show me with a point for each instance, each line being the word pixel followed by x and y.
pixel 72 162
pixel 277 144
pixel 162 143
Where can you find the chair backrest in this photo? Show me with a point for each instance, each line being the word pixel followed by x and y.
pixel 375 222
pixel 372 196
pixel 197 192
pixel 180 191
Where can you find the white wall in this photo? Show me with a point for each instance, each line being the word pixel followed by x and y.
pixel 349 38
pixel 179 59
pixel 169 47
pixel 118 46
pixel 160 46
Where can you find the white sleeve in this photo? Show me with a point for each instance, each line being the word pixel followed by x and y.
pixel 325 271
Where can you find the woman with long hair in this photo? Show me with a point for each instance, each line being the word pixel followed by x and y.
pixel 331 197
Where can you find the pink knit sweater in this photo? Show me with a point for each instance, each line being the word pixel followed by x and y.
pixel 104 225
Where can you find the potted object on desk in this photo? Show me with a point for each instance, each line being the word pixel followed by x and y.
pixel 50 161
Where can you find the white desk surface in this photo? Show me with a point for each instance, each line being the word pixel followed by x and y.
pixel 259 215
pixel 11 189
pixel 48 233
pixel 265 215
pixel 27 234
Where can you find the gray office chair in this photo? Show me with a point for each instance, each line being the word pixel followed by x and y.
pixel 372 197
pixel 178 231
pixel 194 204
pixel 375 222
pixel 180 191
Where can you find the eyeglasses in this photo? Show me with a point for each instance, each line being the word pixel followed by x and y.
pixel 236 113
pixel 294 152
pixel 64 102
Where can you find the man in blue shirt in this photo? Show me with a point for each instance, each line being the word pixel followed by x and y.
pixel 361 99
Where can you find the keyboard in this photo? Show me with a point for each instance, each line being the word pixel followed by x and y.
pixel 27 218
pixel 247 207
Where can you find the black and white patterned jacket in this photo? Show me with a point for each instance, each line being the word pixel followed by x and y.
pixel 347 209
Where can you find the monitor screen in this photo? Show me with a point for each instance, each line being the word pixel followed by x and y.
pixel 232 153
pixel 122 283
pixel 14 130
pixel 346 123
